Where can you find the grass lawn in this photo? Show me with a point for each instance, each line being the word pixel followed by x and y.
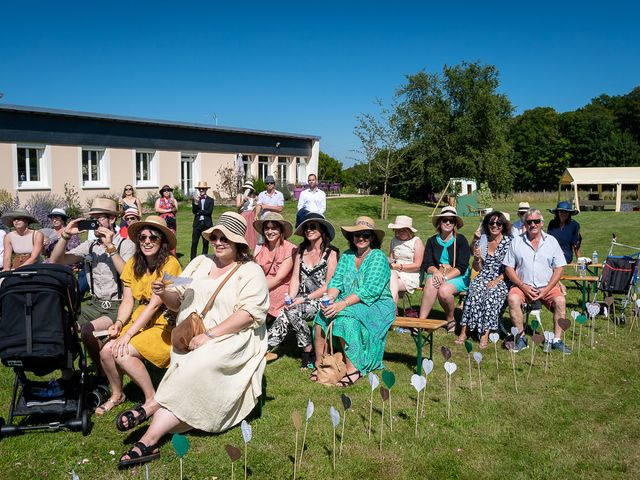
pixel 580 420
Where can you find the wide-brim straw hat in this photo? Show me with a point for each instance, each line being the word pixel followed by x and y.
pixel 287 228
pixel 248 185
pixel 103 205
pixel 564 207
pixel 362 223
pixel 232 225
pixel 523 207
pixel 318 218
pixel 59 212
pixel 447 212
pixel 203 185
pixel 153 222
pixel 11 215
pixel 403 221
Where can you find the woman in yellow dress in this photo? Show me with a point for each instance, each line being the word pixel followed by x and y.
pixel 147 334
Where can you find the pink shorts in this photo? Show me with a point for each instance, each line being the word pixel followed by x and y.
pixel 547 299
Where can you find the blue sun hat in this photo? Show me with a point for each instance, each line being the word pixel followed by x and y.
pixel 564 207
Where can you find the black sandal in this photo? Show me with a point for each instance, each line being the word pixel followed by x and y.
pixel 308 358
pixel 146 455
pixel 132 420
pixel 349 380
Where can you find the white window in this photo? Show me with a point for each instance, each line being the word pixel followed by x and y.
pixel 92 166
pixel 283 166
pixel 186 173
pixel 32 166
pixel 263 167
pixel 145 168
pixel 246 164
pixel 301 170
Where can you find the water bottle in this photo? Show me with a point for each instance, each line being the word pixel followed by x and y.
pixel 325 300
pixel 288 300
pixel 594 257
pixel 583 269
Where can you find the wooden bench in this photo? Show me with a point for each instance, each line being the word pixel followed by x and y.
pixel 425 328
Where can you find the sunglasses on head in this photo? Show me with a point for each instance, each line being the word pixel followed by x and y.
pixel 310 226
pixel 364 235
pixel 152 238
pixel 221 238
pixel 496 223
pixel 534 221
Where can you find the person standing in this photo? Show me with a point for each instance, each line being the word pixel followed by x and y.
pixel 166 206
pixel 566 230
pixel 202 208
pixel 518 225
pixel 312 200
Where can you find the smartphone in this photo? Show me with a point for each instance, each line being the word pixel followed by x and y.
pixel 90 224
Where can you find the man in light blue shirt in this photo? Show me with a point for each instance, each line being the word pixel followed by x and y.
pixel 534 265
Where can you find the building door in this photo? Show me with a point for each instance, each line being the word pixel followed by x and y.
pixel 186 173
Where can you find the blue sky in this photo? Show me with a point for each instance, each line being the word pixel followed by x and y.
pixel 304 67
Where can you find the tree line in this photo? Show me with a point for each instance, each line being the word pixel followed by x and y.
pixel 456 124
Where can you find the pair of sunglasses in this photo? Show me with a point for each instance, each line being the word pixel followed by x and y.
pixel 221 238
pixel 496 223
pixel 534 221
pixel 311 226
pixel 152 238
pixel 366 235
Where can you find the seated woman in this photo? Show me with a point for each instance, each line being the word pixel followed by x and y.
pixel 566 230
pixel 362 309
pixel 446 263
pixel 59 219
pixel 275 257
pixel 246 204
pixel 488 290
pixel 217 383
pixel 22 246
pixel 313 267
pixel 143 333
pixel 405 257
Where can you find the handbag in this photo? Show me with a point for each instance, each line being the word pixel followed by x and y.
pixel 193 325
pixel 331 367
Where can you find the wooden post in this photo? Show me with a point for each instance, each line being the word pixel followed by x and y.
pixel 576 198
pixel 600 191
pixel 618 196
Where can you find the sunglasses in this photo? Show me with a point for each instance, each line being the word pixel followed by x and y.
pixel 534 221
pixel 448 220
pixel 311 226
pixel 165 191
pixel 202 189
pixel 365 235
pixel 152 238
pixel 270 183
pixel 131 219
pixel 495 223
pixel 128 189
pixel 215 238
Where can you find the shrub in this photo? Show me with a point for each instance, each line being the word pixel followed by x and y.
pixel 485 197
pixel 8 201
pixel 259 185
pixel 150 200
pixel 72 201
pixel 284 188
pixel 229 182
pixel 177 194
pixel 41 204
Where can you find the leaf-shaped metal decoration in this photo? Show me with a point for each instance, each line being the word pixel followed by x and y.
pixel 477 356
pixel 446 353
pixel 374 381
pixel 427 366
pixel 450 367
pixel 346 401
pixel 335 416
pixel 581 319
pixel 233 452
pixel 384 393
pixel 310 408
pixel 593 308
pixel 515 331
pixel 388 378
pixel 608 301
pixel 297 420
pixel 468 346
pixel 564 324
pixel 574 314
pixel 418 382
pixel 180 444
pixel 548 336
pixel 509 345
pixel 246 431
pixel 494 337
pixel 535 324
pixel 537 338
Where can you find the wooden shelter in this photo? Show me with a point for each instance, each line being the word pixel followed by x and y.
pixel 600 176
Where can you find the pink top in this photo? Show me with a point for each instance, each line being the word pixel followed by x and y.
pixel 263 258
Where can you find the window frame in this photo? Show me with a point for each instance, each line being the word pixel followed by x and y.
pixel 103 168
pixel 152 181
pixel 43 165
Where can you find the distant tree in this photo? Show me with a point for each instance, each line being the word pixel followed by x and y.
pixel 329 169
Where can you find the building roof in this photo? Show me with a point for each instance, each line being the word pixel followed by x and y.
pixel 148 121
pixel 601 176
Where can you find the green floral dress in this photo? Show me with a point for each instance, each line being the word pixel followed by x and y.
pixel 363 326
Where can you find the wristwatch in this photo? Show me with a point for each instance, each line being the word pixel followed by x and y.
pixel 110 250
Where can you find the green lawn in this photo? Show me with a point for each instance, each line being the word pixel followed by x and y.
pixel 580 420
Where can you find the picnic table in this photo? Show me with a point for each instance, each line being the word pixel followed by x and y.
pixel 583 284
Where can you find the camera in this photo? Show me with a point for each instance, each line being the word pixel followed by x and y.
pixel 90 224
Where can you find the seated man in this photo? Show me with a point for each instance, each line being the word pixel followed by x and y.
pixel 534 264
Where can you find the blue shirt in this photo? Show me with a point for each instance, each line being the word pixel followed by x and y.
pixel 534 267
pixel 567 236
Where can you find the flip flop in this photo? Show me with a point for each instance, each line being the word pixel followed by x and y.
pixel 110 405
pixel 451 326
pixel 349 380
pixel 146 455
pixel 314 375
pixel 132 420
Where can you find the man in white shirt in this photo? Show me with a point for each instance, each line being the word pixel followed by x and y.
pixel 312 200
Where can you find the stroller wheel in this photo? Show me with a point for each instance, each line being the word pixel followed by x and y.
pixel 1 425
pixel 85 422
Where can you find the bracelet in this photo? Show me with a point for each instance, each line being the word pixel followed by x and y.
pixel 209 334
pixel 445 278
pixel 65 236
pixel 345 302
pixel 118 320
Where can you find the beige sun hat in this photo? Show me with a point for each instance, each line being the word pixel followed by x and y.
pixel 103 205
pixel 248 184
pixel 232 225
pixel 287 228
pixel 447 212
pixel 403 221
pixel 523 207
pixel 203 185
pixel 154 222
pixel 363 223
pixel 11 215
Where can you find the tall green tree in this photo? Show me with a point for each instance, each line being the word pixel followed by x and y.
pixel 330 169
pixel 457 125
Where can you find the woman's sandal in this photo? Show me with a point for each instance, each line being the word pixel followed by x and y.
pixel 110 405
pixel 132 420
pixel 460 340
pixel 146 455
pixel 484 342
pixel 349 380
pixel 451 326
pixel 314 375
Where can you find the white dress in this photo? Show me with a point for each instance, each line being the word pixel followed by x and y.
pixel 217 385
pixel 404 253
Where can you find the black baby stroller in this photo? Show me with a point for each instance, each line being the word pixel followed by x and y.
pixel 39 306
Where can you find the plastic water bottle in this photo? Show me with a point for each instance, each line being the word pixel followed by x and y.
pixel 288 300
pixel 325 300
pixel 594 257
pixel 583 269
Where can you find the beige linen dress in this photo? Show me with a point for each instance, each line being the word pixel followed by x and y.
pixel 217 385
